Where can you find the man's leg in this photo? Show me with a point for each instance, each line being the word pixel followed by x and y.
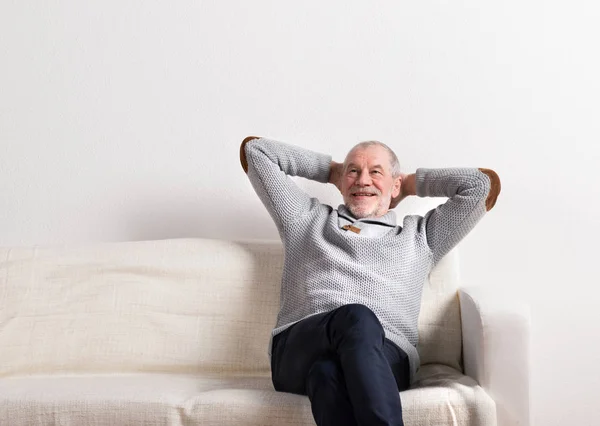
pixel 326 389
pixel 358 338
pixel 354 334
pixel 295 350
pixel 398 361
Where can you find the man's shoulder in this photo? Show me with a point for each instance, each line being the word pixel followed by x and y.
pixel 317 212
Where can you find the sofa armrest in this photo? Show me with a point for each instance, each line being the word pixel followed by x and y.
pixel 496 351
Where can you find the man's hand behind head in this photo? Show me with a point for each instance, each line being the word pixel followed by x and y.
pixel 335 174
pixel 408 187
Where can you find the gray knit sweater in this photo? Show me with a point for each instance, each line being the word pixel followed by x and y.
pixel 327 266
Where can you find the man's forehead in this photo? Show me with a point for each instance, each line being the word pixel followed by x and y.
pixel 372 153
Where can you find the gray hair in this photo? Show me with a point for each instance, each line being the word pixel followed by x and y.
pixel 394 163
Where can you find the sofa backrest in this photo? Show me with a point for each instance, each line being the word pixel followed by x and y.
pixel 181 305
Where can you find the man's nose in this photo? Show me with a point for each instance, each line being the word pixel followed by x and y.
pixel 364 178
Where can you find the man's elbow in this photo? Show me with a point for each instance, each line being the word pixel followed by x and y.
pixel 243 159
pixel 495 188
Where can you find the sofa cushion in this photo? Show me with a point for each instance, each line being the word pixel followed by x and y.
pixel 184 306
pixel 446 397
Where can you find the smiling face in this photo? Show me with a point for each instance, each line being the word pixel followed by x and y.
pixel 367 183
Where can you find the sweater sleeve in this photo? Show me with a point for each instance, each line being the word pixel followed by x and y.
pixel 269 164
pixel 472 193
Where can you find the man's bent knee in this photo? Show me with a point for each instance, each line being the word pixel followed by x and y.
pixel 355 312
pixel 357 319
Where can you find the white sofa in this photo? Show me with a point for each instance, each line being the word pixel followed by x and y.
pixel 175 332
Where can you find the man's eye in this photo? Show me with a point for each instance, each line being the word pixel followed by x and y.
pixel 376 171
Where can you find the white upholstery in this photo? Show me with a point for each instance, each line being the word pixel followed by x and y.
pixel 497 351
pixel 175 399
pixel 172 305
pixel 440 333
pixel 176 332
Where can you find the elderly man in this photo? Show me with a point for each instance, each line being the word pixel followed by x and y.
pixel 346 333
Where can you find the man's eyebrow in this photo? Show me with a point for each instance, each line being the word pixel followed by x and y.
pixel 374 167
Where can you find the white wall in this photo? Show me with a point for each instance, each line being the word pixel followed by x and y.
pixel 122 121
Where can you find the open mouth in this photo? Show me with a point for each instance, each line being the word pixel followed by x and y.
pixel 361 195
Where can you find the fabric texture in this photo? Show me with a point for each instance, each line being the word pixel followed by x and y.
pixel 446 398
pixel 327 266
pixel 172 305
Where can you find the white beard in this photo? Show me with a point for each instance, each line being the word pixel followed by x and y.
pixel 363 213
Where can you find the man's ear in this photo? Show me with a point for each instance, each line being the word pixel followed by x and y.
pixel 396 186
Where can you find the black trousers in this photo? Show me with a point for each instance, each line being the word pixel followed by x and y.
pixel 341 359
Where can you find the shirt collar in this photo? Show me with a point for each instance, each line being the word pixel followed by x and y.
pixel 388 219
